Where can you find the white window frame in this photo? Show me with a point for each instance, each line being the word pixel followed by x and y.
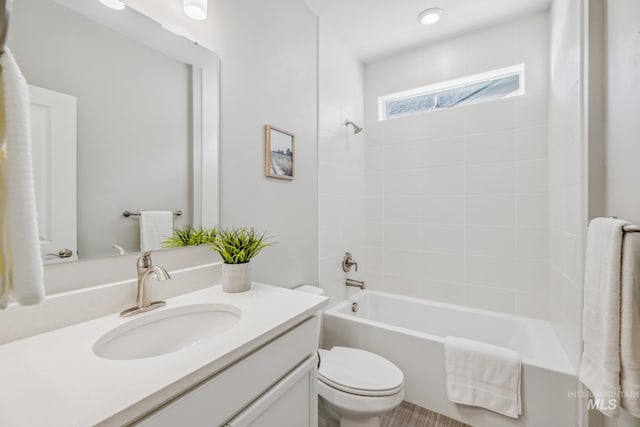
pixel 514 70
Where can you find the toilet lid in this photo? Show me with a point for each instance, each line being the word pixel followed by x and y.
pixel 359 372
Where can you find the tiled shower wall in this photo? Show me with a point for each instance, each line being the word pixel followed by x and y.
pixel 457 200
pixel 341 162
pixel 566 167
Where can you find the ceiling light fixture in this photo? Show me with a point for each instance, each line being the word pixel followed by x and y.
pixel 114 4
pixel 195 9
pixel 430 16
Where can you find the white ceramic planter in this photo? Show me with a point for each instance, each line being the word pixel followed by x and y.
pixel 236 277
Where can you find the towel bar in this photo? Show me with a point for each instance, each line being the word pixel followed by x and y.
pixel 127 214
pixel 631 229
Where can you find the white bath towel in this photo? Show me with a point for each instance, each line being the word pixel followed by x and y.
pixel 483 375
pixel 155 226
pixel 25 278
pixel 600 366
pixel 630 325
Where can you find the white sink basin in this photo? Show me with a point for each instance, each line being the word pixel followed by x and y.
pixel 166 331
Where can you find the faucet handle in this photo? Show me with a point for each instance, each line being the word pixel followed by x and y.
pixel 348 262
pixel 145 260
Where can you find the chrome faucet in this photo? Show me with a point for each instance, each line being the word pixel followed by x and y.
pixel 146 270
pixel 354 283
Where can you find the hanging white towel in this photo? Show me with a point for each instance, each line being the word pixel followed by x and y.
pixel 630 325
pixel 600 366
pixel 483 375
pixel 21 245
pixel 155 226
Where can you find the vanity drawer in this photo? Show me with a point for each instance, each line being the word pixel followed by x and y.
pixel 227 393
pixel 292 402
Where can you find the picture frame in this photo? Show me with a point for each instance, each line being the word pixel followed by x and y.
pixel 280 150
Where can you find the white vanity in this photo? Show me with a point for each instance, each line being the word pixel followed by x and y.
pixel 260 371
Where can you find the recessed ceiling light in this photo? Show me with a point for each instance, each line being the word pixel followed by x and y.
pixel 430 16
pixel 195 9
pixel 113 4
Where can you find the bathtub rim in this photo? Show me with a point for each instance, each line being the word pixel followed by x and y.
pixel 335 311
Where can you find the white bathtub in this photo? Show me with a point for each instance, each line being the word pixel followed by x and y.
pixel 410 332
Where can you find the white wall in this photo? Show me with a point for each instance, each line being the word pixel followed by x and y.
pixel 623 124
pixel 457 199
pixel 341 163
pixel 566 174
pixel 623 108
pixel 269 74
pixel 124 163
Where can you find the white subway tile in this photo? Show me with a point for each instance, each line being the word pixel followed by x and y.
pixel 533 275
pixel 402 263
pixel 490 116
pixel 441 267
pixel 373 260
pixel 408 286
pixel 490 147
pixel 374 234
pixel 491 272
pixel 533 305
pixel 533 243
pixel 490 178
pixel 532 109
pixel 443 210
pixel 403 236
pixel 491 298
pixel 374 184
pixel 374 209
pixel 407 183
pixel 443 181
pixel 491 241
pixel 533 176
pixel 330 241
pixel 532 143
pixel 533 209
pixel 403 210
pixel 451 293
pixel 443 238
pixel 498 209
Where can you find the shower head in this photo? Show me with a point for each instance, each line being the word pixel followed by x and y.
pixel 356 129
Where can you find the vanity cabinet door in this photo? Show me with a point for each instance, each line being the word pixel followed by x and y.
pixel 239 386
pixel 292 402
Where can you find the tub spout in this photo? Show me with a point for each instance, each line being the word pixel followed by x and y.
pixel 354 283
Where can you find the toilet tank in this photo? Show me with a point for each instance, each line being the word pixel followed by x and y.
pixel 316 291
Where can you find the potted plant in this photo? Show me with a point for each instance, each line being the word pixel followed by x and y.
pixel 190 236
pixel 237 246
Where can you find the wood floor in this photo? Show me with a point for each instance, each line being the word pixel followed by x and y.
pixel 410 415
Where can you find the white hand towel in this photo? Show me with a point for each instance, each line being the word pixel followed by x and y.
pixel 600 366
pixel 26 273
pixel 630 325
pixel 484 375
pixel 155 226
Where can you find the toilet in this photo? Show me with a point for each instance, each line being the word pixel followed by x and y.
pixel 355 387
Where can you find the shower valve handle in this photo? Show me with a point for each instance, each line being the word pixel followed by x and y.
pixel 348 262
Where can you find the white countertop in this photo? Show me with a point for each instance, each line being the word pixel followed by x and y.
pixel 55 379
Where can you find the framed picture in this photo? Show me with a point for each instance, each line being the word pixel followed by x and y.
pixel 280 151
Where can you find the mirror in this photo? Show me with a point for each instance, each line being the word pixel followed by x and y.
pixel 124 118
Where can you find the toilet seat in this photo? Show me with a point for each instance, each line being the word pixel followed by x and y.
pixel 359 372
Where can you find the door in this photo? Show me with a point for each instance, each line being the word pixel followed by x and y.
pixel 53 133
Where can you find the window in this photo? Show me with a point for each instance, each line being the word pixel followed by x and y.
pixel 484 87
